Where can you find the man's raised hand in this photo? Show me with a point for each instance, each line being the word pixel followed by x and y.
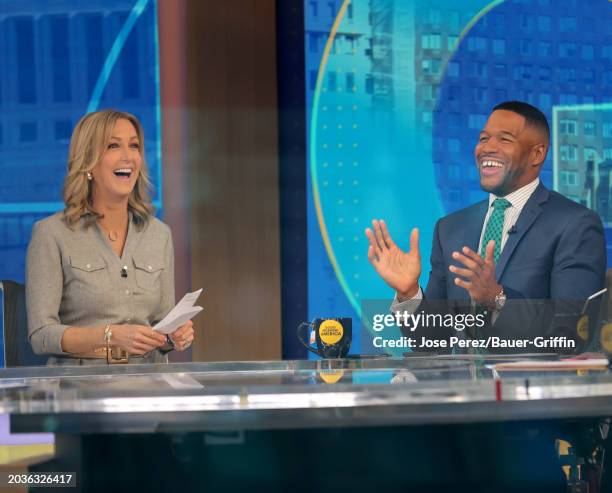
pixel 400 270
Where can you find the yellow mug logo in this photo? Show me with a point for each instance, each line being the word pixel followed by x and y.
pixel 331 376
pixel 606 338
pixel 330 331
pixel 583 327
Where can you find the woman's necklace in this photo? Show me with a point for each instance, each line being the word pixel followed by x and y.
pixel 112 234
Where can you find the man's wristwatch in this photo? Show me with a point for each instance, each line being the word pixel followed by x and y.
pixel 500 300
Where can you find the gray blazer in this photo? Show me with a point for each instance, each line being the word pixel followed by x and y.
pixel 74 278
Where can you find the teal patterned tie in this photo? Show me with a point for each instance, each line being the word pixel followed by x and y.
pixel 494 228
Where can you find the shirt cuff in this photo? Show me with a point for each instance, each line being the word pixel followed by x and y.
pixel 409 306
pixel 48 340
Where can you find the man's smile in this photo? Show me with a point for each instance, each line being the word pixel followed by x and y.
pixel 490 167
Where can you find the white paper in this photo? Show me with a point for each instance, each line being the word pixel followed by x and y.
pixel 180 314
pixel 190 298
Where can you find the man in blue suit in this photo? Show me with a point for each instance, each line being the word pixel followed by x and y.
pixel 534 244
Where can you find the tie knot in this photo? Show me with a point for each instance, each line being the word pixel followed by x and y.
pixel 501 204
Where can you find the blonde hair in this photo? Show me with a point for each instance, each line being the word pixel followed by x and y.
pixel 87 147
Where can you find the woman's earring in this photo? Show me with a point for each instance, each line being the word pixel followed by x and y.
pixel 89 176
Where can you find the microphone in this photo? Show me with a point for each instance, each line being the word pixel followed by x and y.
pixel 124 271
pixel 512 230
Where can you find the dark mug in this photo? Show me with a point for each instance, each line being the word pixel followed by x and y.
pixel 332 335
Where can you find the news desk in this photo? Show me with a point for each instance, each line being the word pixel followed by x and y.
pixel 414 424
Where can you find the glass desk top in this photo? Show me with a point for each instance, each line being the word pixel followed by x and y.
pixel 290 394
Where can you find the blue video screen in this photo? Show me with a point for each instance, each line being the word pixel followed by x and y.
pixel 397 92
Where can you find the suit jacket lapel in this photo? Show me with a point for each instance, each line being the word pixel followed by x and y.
pixel 473 228
pixel 529 214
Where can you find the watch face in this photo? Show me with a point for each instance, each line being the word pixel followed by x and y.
pixel 500 300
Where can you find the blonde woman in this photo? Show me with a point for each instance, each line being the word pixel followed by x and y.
pixel 101 272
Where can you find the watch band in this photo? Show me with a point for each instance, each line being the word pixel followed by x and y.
pixel 500 299
pixel 170 341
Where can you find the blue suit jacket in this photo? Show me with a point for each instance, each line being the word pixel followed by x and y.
pixel 557 253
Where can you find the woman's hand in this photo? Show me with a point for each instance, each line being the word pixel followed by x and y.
pixel 183 336
pixel 136 339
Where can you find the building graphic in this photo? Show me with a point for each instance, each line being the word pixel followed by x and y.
pixel 59 63
pixel 551 54
pixel 582 161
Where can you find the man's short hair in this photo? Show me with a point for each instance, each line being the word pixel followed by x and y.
pixel 532 115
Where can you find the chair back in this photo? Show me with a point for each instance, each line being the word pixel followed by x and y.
pixel 17 349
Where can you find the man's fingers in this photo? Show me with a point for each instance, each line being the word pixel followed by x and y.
pixel 467 273
pixel 373 241
pixel 468 252
pixel 372 256
pixel 379 235
pixel 489 250
pixel 414 240
pixel 386 236
pixel 466 261
pixel 464 284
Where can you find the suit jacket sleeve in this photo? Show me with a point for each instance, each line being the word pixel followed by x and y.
pixel 580 260
pixel 577 271
pixel 436 287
